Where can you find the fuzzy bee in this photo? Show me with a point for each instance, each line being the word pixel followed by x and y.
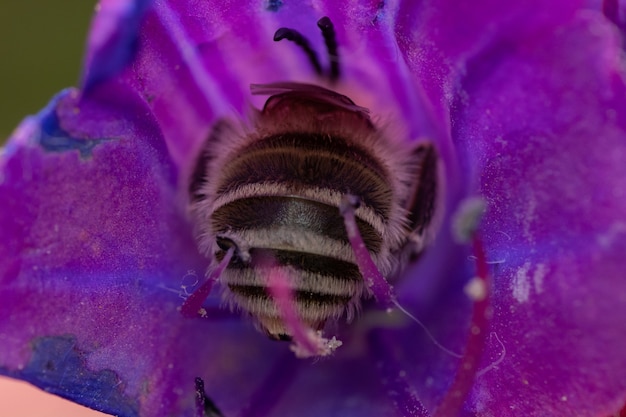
pixel 271 189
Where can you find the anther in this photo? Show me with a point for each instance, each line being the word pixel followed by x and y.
pixel 330 38
pixel 297 38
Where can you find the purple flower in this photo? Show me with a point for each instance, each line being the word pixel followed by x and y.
pixel 526 105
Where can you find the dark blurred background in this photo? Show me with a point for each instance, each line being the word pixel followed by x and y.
pixel 41 49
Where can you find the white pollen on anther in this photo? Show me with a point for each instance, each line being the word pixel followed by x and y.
pixel 323 346
pixel 476 289
pixel 520 285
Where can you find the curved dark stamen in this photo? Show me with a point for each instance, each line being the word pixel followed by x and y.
pixel 205 407
pixel 297 38
pixel 330 38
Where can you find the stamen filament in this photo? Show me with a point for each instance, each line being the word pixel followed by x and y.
pixel 330 38
pixel 204 405
pixel 200 397
pixel 278 285
pixel 297 38
pixel 192 306
pixel 374 280
pixel 479 326
pixel 306 341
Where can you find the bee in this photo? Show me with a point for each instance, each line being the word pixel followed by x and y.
pixel 272 189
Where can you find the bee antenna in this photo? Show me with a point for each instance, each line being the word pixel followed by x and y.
pixel 330 38
pixel 297 38
pixel 193 304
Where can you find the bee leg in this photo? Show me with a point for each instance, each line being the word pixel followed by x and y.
pixel 374 280
pixel 306 341
pixel 192 306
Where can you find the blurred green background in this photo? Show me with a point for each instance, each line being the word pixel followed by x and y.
pixel 41 49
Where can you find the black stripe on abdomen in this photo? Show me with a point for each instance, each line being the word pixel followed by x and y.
pixel 307 297
pixel 293 213
pixel 300 261
pixel 316 280
pixel 313 161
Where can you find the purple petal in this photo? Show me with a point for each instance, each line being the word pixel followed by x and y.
pixel 543 126
pixel 614 10
pixel 99 245
pixel 99 250
pixel 112 40
pixel 437 38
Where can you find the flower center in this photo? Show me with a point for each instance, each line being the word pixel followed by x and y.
pixel 305 212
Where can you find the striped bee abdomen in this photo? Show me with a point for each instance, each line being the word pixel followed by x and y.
pixel 296 206
pixel 300 161
pixel 280 196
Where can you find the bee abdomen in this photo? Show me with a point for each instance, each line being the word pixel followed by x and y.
pixel 280 197
pixel 308 272
pixel 307 298
pixel 294 217
pixel 323 287
pixel 303 161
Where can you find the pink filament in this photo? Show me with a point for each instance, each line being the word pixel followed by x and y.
pixel 280 290
pixel 468 366
pixel 481 314
pixel 193 304
pixel 376 283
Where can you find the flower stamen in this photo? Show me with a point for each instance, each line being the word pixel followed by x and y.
pixel 205 407
pixel 192 306
pixel 478 290
pixel 299 39
pixel 374 280
pixel 306 341
pixel 330 39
